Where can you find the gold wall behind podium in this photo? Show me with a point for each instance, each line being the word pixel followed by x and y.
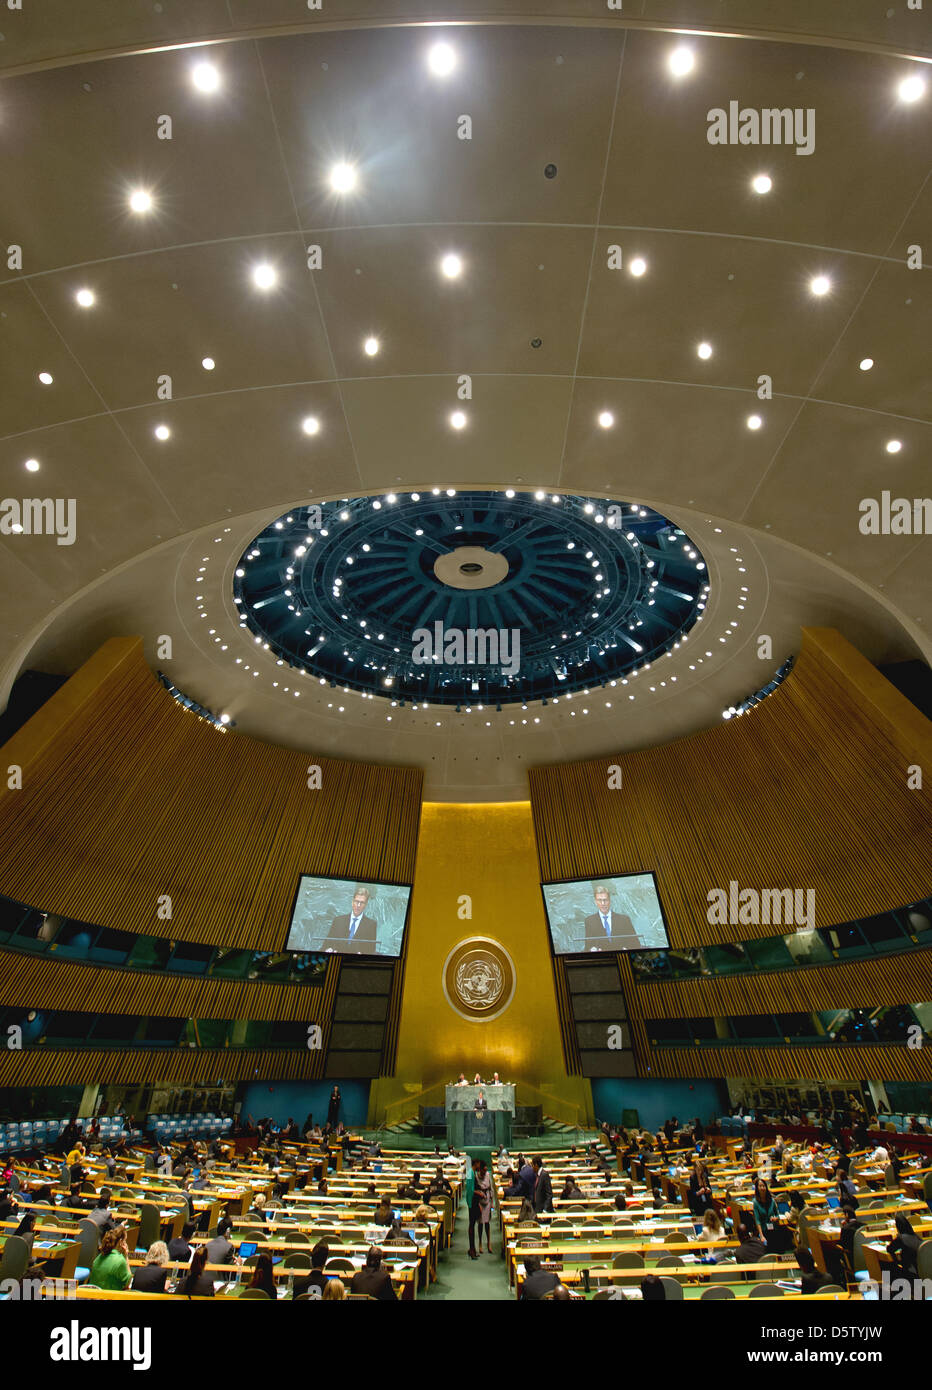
pixel 486 852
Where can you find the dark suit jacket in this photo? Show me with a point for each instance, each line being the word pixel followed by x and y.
pixel 376 1283
pixel 481 1103
pixel 543 1193
pixel 151 1278
pixel 623 933
pixel 364 940
pixel 536 1285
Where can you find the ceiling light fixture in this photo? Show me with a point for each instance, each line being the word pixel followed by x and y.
pixel 310 424
pixel 606 419
pixel 681 61
pixel 458 419
pixel 205 77
pixel 637 266
pixel 371 346
pixel 441 59
pixel 85 298
pixel 762 183
pixel 343 178
pixel 451 265
pixel 140 201
pixel 820 285
pixel 264 276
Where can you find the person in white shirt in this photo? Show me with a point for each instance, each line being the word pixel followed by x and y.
pixel 880 1155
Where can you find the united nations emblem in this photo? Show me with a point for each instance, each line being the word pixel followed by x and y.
pixel 479 979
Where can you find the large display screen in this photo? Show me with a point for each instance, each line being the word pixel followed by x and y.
pixel 605 914
pixel 346 915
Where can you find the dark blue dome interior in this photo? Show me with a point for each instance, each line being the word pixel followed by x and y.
pixel 593 590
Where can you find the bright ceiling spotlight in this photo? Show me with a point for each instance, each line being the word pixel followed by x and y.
pixel 911 89
pixel 205 77
pixel 894 446
pixel 371 347
pixel 762 183
pixel 343 178
pixel 140 201
pixel 606 419
pixel 637 266
pixel 46 378
pixel 441 59
pixel 85 298
pixel 754 422
pixel 264 276
pixel 704 350
pixel 866 363
pixel 310 424
pixel 820 285
pixel 32 465
pixel 162 432
pixel 451 265
pixel 208 364
pixel 457 419
pixel 681 61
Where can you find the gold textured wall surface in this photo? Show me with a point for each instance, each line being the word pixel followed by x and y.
pixel 807 790
pixel 127 797
pixel 485 853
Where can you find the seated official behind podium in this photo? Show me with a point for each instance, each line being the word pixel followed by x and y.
pixel 375 1279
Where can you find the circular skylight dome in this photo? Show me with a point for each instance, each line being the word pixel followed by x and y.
pixel 475 597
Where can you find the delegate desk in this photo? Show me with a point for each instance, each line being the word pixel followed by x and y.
pixel 491 1126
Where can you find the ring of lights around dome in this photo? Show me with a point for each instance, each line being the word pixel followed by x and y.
pixel 470 567
pixel 591 591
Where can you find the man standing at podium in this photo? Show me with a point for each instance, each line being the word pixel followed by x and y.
pixel 607 930
pixel 481 1103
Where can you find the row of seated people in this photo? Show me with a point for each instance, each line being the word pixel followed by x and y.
pixel 718 1206
pixel 275 1204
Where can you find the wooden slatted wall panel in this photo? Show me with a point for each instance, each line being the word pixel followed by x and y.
pixel 814 1063
pixel 127 797
pixel 857 984
pixel 192 1066
pixel 45 983
pixel 808 790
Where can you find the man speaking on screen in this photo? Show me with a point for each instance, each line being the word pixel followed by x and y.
pixel 607 930
pixel 354 931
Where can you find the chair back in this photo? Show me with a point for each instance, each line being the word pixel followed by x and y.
pixel 150 1225
pixel 716 1291
pixel 669 1261
pixel 89 1239
pixel 341 1263
pixel 628 1260
pixel 15 1259
pixel 766 1291
pixel 296 1260
pixel 672 1287
pixel 255 1293
pixel 924 1260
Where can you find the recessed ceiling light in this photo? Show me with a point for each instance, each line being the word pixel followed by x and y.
pixel 441 59
pixel 509 492
pixel 140 200
pixel 820 284
pixel 754 422
pixel 681 61
pixel 46 378
pixel 451 265
pixel 704 350
pixel 85 298
pixel 264 276
pixel 457 419
pixel 762 183
pixel 342 178
pixel 32 465
pixel 208 364
pixel 162 432
pixel 894 446
pixel 371 346
pixel 638 266
pixel 911 89
pixel 310 424
pixel 606 419
pixel 205 77
pixel 866 363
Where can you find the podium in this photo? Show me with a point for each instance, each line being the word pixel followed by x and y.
pixel 488 1128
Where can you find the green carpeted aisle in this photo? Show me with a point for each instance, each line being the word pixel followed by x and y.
pixel 466 1280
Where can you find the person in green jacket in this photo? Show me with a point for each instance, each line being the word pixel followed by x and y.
pixel 110 1269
